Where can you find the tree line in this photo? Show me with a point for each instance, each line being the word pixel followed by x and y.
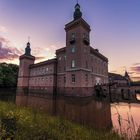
pixel 8 75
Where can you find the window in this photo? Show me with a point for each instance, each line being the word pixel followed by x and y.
pixel 73 78
pixel 46 78
pixel 64 57
pixel 64 79
pixel 85 49
pixel 73 64
pixel 64 68
pixel 59 58
pixel 86 64
pixel 47 69
pixel 92 68
pixel 59 68
pixel 84 35
pixel 73 35
pixel 73 49
pixel 87 36
pixel 86 77
pixel 92 79
pixel 42 71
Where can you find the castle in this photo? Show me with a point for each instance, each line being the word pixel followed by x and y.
pixel 75 71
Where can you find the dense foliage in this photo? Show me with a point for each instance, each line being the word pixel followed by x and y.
pixel 20 123
pixel 8 75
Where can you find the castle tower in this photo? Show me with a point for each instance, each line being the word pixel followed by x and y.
pixel 78 54
pixel 23 77
pixel 127 77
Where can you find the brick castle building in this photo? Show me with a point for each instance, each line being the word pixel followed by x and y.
pixel 75 71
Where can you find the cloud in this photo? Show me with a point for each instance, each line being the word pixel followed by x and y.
pixel 44 52
pixel 135 69
pixel 3 29
pixel 135 78
pixel 7 51
pixel 135 64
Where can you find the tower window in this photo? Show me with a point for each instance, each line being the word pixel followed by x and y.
pixel 73 49
pixel 73 35
pixel 73 64
pixel 73 78
pixel 86 38
pixel 85 49
pixel 84 35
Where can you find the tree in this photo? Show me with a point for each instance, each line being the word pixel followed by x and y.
pixel 8 75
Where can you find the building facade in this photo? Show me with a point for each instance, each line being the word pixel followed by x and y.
pixel 75 71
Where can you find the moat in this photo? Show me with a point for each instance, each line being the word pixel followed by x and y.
pixel 88 111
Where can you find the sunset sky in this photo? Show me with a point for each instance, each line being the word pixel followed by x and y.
pixel 115 28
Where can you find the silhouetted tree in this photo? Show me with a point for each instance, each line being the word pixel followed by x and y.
pixel 8 75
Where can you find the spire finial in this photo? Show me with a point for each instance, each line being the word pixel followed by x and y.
pixel 77 13
pixel 28 49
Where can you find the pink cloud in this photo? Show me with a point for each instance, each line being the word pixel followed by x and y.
pixel 135 64
pixel 135 69
pixel 7 52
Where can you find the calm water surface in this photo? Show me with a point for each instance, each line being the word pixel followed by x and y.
pixel 124 116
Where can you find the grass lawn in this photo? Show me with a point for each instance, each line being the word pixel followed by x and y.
pixel 21 123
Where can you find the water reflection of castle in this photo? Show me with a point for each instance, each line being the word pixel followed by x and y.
pixel 75 70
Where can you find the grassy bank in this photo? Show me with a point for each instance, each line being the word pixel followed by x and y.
pixel 22 123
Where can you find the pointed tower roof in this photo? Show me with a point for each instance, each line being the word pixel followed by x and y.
pixel 28 49
pixel 126 74
pixel 77 13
